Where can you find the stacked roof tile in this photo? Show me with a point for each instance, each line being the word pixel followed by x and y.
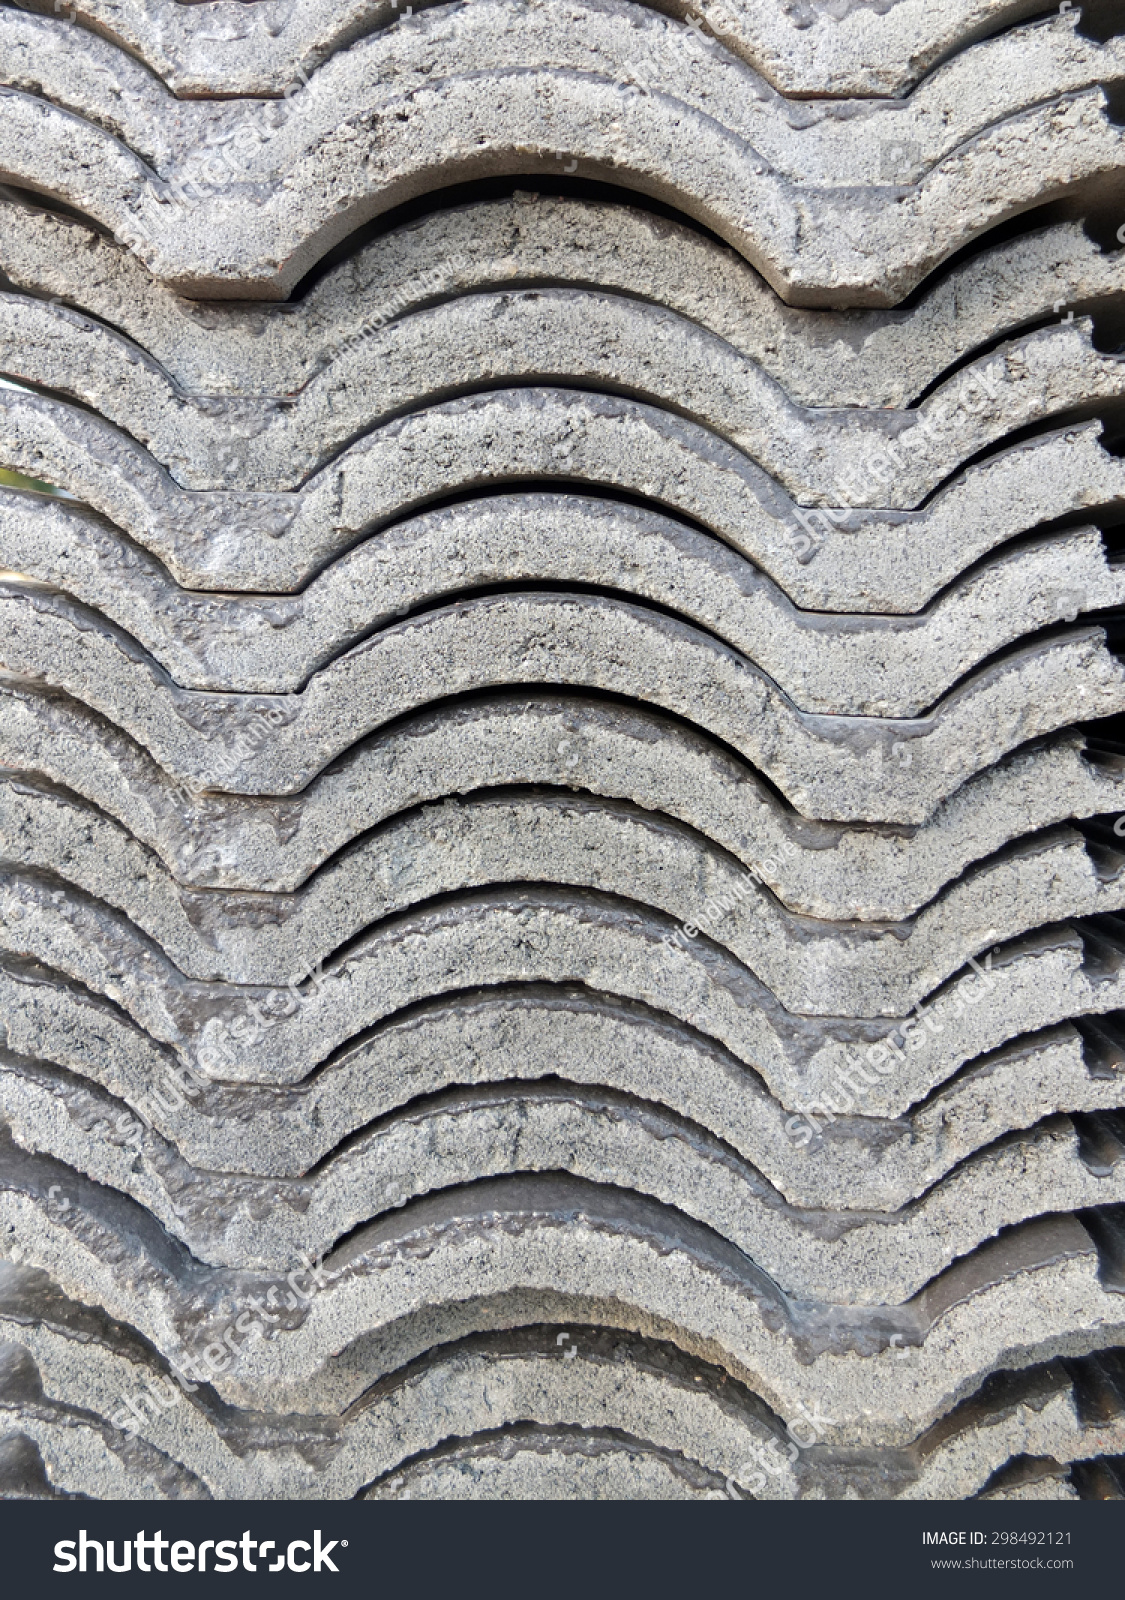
pixel 562 917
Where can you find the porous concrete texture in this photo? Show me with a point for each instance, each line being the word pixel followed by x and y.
pixel 854 51
pixel 556 936
pixel 619 752
pixel 867 457
pixel 868 359
pixel 838 768
pixel 643 1387
pixel 562 907
pixel 813 143
pixel 284 203
pixel 824 559
pixel 493 1037
pixel 854 666
pixel 1044 1289
pixel 603 1136
pixel 809 965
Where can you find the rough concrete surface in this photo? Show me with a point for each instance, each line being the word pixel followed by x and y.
pixel 503 1036
pixel 854 51
pixel 268 228
pixel 879 457
pixel 854 666
pixel 608 1138
pixel 809 964
pixel 1040 1288
pixel 561 875
pixel 814 143
pixel 846 561
pixel 881 770
pixel 576 744
pixel 552 935
pixel 827 358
